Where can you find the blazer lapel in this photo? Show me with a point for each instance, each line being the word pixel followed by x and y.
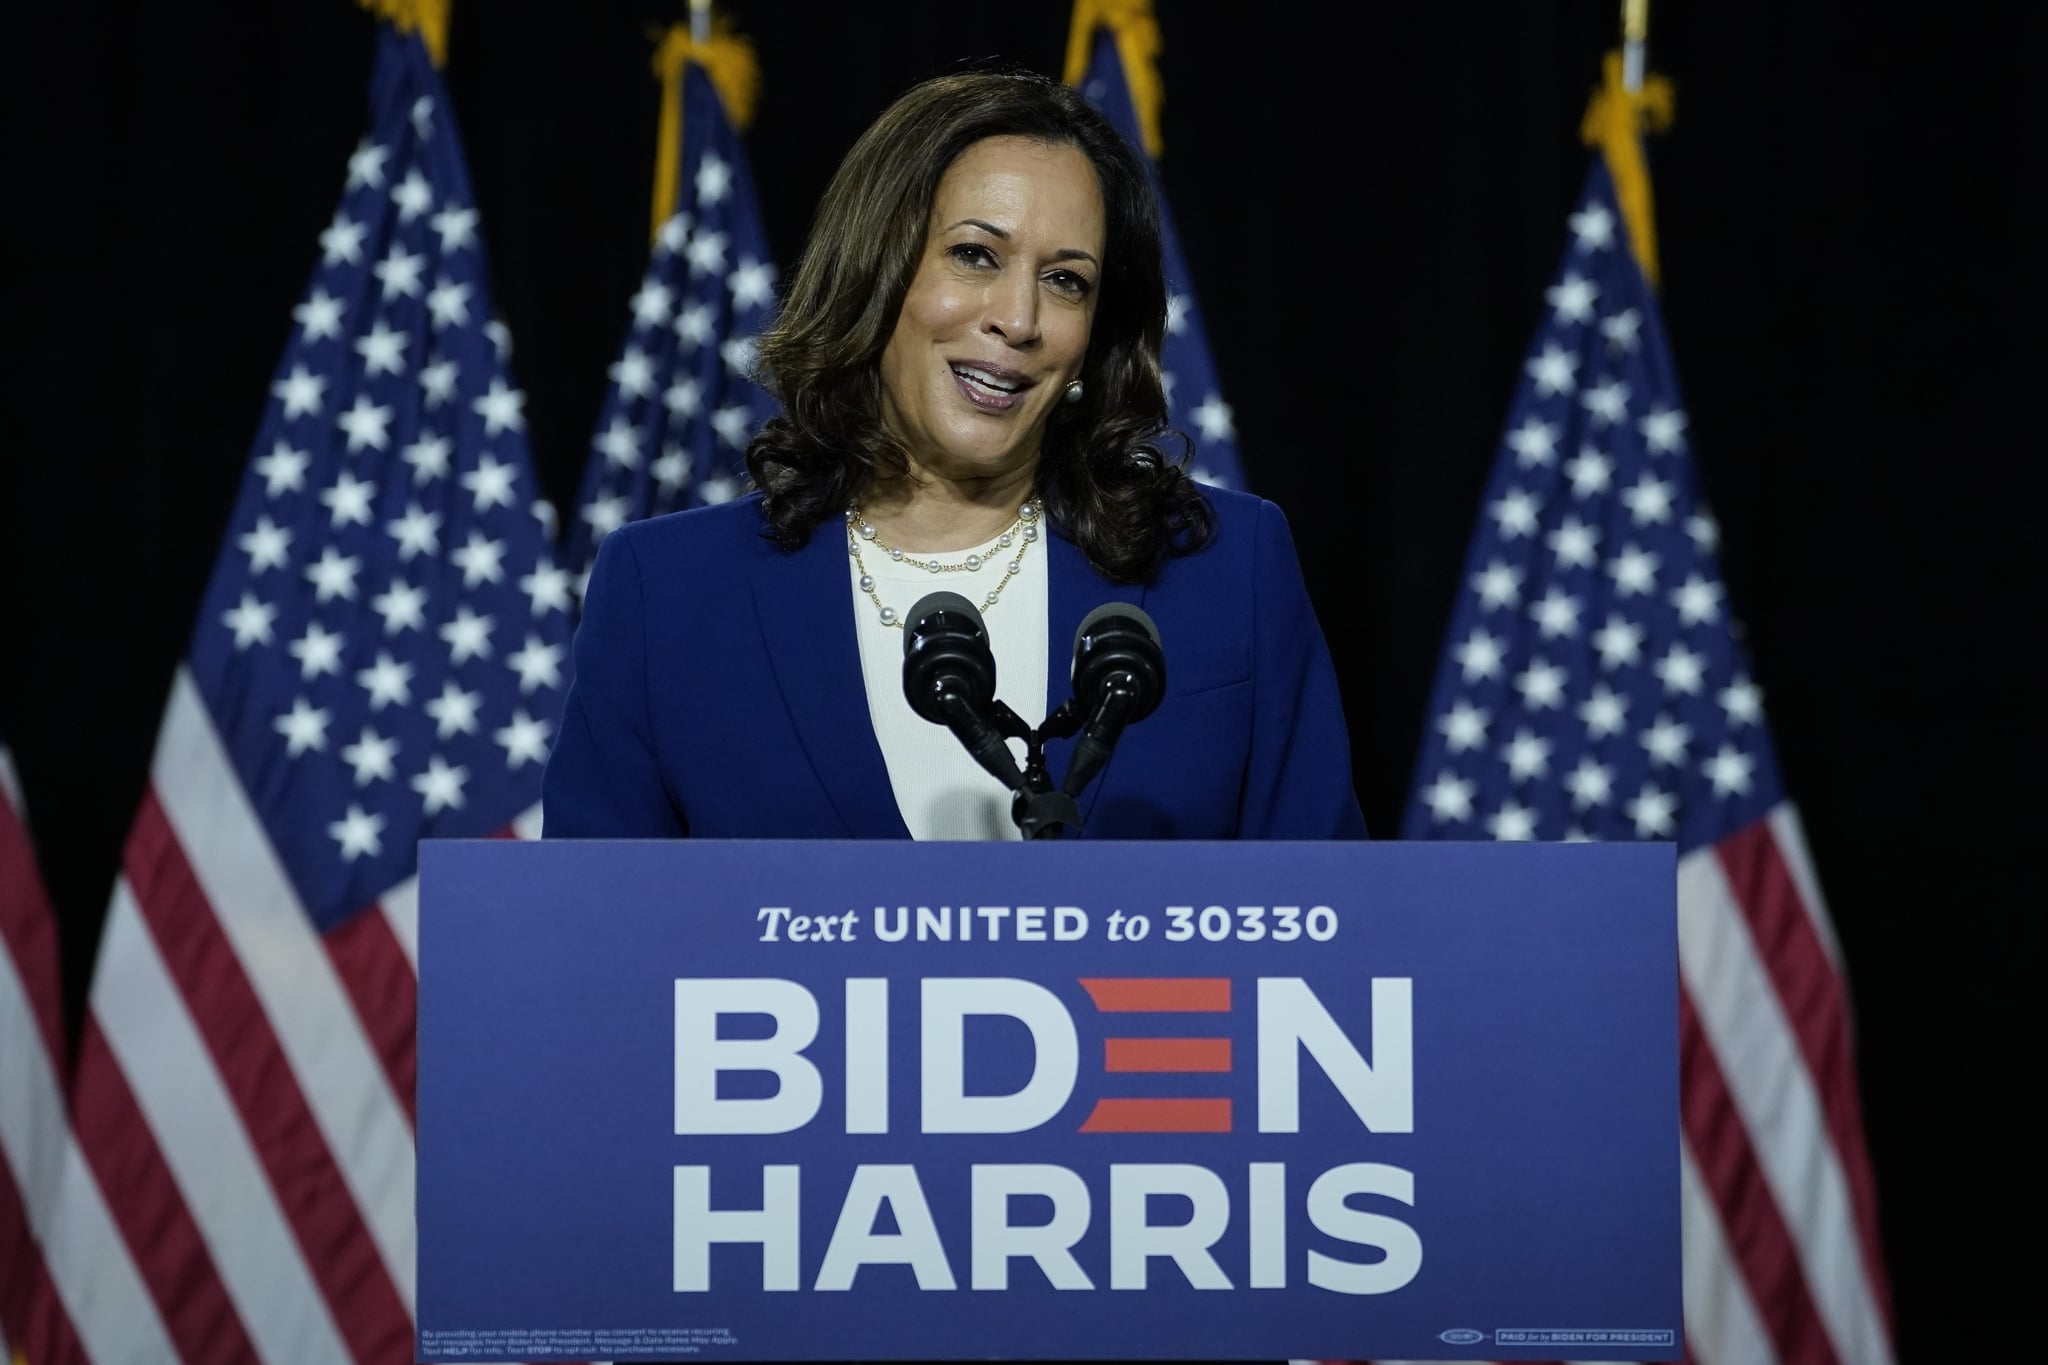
pixel 1075 590
pixel 804 604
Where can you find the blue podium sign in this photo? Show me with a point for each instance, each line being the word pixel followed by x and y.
pixel 829 1101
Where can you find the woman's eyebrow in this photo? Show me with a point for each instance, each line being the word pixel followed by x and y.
pixel 990 228
pixel 1071 253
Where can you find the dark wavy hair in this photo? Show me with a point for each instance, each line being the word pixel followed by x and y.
pixel 1104 471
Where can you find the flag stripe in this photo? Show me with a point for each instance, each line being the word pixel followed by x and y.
pixel 36 1329
pixel 22 1276
pixel 28 931
pixel 1791 839
pixel 32 1123
pixel 31 1048
pixel 400 907
pixel 141 1194
pixel 341 1076
pixel 1803 973
pixel 1755 1225
pixel 61 1261
pixel 100 1280
pixel 1721 1325
pixel 154 1047
pixel 1775 1096
pixel 100 1309
pixel 260 1082
pixel 32 1136
pixel 379 979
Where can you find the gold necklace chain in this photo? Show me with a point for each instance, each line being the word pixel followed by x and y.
pixel 1019 534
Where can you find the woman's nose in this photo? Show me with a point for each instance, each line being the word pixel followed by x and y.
pixel 1010 310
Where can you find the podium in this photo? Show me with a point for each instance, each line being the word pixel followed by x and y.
pixel 1097 1101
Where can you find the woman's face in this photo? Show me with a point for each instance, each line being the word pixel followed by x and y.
pixel 997 317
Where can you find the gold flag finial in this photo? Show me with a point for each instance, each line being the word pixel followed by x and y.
pixel 428 18
pixel 1135 30
pixel 1615 122
pixel 728 60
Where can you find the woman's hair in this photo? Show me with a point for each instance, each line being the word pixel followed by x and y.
pixel 1104 472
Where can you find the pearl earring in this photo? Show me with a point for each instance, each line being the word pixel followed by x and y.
pixel 1073 394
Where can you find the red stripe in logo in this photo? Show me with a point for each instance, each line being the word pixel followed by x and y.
pixel 1159 994
pixel 1166 1054
pixel 1159 1116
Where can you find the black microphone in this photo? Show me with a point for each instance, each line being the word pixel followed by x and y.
pixel 949 678
pixel 1119 678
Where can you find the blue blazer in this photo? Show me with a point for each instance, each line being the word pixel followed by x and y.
pixel 718 692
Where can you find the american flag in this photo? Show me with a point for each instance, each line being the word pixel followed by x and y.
pixel 1194 398
pixel 683 403
pixel 33 1131
pixel 379 658
pixel 1593 688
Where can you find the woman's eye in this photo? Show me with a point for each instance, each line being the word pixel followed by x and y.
pixel 1067 282
pixel 971 253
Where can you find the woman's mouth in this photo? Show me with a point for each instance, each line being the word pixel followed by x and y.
pixel 989 389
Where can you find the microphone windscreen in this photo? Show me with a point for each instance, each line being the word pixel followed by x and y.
pixel 1119 641
pixel 936 604
pixel 1105 612
pixel 946 652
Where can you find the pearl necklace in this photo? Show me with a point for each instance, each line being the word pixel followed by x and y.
pixel 1019 534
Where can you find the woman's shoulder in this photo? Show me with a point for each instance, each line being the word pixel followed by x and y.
pixel 720 531
pixel 1232 506
pixel 1250 551
pixel 1243 520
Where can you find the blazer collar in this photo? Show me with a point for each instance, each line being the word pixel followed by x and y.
pixel 804 607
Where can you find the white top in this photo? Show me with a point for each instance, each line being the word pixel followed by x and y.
pixel 941 791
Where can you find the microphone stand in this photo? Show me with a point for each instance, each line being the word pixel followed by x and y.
pixel 1039 809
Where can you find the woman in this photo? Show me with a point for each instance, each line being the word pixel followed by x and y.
pixel 968 365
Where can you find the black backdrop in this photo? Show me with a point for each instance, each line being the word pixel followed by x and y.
pixel 1371 209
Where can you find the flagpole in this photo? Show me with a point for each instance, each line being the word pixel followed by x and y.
pixel 1635 32
pixel 700 21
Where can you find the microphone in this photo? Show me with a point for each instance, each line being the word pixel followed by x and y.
pixel 1119 678
pixel 949 678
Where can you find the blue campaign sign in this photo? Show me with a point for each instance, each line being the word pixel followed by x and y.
pixel 831 1101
